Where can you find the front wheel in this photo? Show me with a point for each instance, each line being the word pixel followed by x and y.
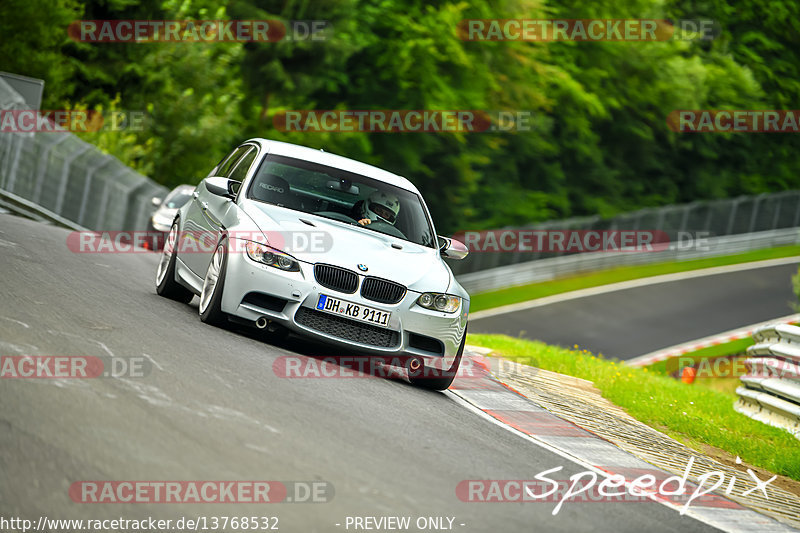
pixel 213 285
pixel 166 285
pixel 430 378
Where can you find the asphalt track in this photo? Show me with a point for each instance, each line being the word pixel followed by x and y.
pixel 212 409
pixel 635 321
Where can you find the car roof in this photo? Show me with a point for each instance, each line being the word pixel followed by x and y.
pixel 336 161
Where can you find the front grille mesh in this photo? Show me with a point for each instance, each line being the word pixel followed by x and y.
pixel 347 329
pixel 338 279
pixel 381 290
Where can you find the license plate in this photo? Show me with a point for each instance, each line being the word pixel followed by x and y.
pixel 359 312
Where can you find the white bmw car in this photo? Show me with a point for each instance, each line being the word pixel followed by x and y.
pixel 288 238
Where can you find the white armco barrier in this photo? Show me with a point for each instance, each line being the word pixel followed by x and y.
pixel 770 392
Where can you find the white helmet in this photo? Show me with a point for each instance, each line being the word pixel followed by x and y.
pixel 381 206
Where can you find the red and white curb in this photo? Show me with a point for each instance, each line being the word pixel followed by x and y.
pixel 485 395
pixel 714 340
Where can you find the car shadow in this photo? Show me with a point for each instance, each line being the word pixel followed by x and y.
pixel 313 356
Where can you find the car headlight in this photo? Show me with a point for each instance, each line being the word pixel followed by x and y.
pixel 439 302
pixel 272 257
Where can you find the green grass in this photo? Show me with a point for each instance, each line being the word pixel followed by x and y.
pixel 690 414
pixel 710 352
pixel 736 350
pixel 523 293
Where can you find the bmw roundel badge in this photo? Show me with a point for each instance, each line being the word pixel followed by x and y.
pixel 362 268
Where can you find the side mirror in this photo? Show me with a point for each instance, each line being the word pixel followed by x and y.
pixel 224 187
pixel 156 201
pixel 451 248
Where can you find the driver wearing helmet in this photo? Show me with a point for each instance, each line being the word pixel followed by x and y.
pixel 379 207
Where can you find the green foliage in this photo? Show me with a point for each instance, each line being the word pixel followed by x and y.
pixel 600 142
pixel 121 142
pixel 30 46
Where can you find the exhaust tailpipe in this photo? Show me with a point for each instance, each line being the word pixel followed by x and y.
pixel 262 322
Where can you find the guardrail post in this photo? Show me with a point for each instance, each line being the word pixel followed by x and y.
pixel 754 214
pixel 12 172
pixel 732 216
pixel 62 188
pixel 41 168
pixel 88 185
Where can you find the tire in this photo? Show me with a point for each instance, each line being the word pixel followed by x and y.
pixel 213 285
pixel 434 378
pixel 166 285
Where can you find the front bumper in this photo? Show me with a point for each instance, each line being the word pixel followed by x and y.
pixel 291 298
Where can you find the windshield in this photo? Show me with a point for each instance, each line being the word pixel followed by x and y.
pixel 339 195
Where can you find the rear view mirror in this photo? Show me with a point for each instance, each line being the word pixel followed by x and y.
pixel 343 185
pixel 451 248
pixel 219 186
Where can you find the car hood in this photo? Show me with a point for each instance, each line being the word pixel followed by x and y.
pixel 336 243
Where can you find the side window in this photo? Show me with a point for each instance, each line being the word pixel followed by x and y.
pixel 240 170
pixel 228 163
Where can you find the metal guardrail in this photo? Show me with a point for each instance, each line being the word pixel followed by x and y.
pixel 711 218
pixel 14 204
pixel 69 179
pixel 547 269
pixel 770 392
